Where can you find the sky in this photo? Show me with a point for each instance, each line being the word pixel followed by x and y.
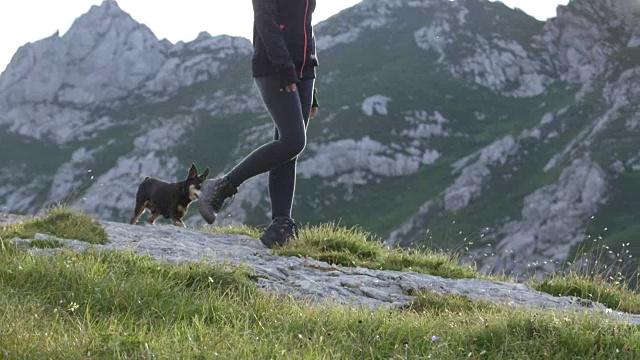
pixel 23 21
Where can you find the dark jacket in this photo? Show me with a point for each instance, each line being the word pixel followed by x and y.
pixel 283 40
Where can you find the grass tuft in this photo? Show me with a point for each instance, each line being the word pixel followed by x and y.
pixel 357 248
pixel 46 244
pixel 596 274
pixel 431 302
pixel 592 287
pixel 61 222
pixel 234 230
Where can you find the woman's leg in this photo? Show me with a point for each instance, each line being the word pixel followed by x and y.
pixel 287 113
pixel 282 179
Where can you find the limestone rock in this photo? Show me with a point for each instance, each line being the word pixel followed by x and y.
pixel 473 178
pixel 552 221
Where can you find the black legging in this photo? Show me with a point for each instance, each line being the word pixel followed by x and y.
pixel 290 113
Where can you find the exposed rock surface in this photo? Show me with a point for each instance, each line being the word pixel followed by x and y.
pixel 371 15
pixel 473 177
pixel 376 104
pixel 56 88
pixel 547 231
pixel 581 44
pixel 58 74
pixel 368 155
pixel 307 278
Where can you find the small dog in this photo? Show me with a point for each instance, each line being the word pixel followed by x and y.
pixel 171 200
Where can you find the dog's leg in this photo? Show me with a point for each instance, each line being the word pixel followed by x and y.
pixel 153 218
pixel 176 215
pixel 140 207
pixel 178 222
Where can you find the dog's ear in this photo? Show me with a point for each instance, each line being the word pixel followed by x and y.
pixel 205 174
pixel 193 172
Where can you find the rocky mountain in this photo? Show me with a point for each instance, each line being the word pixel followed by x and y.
pixel 458 124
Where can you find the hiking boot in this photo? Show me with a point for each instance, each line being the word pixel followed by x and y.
pixel 213 196
pixel 281 230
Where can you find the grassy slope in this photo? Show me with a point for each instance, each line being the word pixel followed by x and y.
pixel 110 305
pixel 114 305
pixel 60 222
pixel 28 159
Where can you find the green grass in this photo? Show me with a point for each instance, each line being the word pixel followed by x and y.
pixel 592 287
pixel 114 305
pixel 61 222
pixel 597 274
pixel 443 304
pixel 354 247
pixel 329 243
pixel 46 244
pixel 235 230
